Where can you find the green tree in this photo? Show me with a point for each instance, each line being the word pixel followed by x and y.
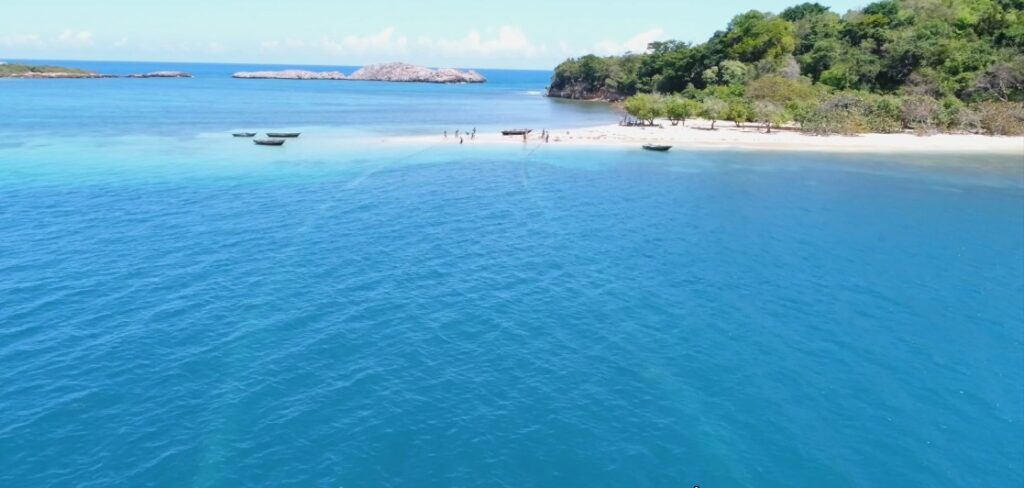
pixel 755 36
pixel 732 72
pixel 821 57
pixel 645 107
pixel 713 109
pixel 739 111
pixel 769 113
pixel 678 109
pixel 803 11
pixel 857 69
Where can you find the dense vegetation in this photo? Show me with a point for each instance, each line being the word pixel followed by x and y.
pixel 895 65
pixel 21 69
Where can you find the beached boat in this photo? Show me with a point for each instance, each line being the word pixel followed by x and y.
pixel 655 147
pixel 244 134
pixel 269 142
pixel 278 135
pixel 516 132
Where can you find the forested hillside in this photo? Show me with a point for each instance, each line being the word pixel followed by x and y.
pixel 894 65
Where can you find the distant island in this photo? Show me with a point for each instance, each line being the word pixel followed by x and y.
pixel 894 66
pixel 393 72
pixel 15 70
pixel 162 74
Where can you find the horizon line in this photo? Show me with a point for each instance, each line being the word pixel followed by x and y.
pixel 241 63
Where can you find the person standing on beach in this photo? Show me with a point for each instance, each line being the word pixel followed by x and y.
pixel 460 140
pixel 446 133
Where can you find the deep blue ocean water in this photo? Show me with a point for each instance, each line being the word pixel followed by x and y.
pixel 179 308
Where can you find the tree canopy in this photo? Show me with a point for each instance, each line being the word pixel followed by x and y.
pixel 971 51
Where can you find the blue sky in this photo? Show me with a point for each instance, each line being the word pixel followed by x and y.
pixel 463 33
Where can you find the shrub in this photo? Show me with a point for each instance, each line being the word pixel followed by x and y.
pixel 919 112
pixel 948 116
pixel 842 113
pixel 1001 118
pixel 802 111
pixel 884 114
pixel 969 120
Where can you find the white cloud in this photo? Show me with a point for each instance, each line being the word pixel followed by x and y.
pixel 287 44
pixel 19 40
pixel 509 40
pixel 635 44
pixel 384 41
pixel 75 39
pixel 68 38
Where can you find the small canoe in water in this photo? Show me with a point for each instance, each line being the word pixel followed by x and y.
pixel 244 134
pixel 655 147
pixel 268 142
pixel 516 132
pixel 279 135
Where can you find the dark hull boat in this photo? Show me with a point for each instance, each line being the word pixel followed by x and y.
pixel 655 147
pixel 516 132
pixel 278 135
pixel 269 142
pixel 244 134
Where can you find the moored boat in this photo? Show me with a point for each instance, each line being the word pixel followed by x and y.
pixel 516 132
pixel 244 134
pixel 278 135
pixel 268 142
pixel 656 147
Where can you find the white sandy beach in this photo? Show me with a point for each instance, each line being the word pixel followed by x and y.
pixel 697 134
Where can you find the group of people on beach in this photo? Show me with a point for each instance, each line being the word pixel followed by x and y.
pixel 544 135
pixel 458 134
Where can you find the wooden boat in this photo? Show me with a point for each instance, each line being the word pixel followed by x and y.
pixel 516 132
pixel 655 147
pixel 279 135
pixel 268 142
pixel 244 134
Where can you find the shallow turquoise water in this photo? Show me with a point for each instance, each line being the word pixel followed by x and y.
pixel 194 311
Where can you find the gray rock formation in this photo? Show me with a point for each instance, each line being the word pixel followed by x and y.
pixel 397 72
pixel 403 72
pixel 163 74
pixel 290 75
pixel 584 92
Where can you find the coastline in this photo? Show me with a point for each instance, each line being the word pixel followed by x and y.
pixel 696 134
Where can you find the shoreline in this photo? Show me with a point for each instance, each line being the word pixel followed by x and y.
pixel 696 134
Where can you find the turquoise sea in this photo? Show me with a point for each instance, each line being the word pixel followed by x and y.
pixel 181 308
